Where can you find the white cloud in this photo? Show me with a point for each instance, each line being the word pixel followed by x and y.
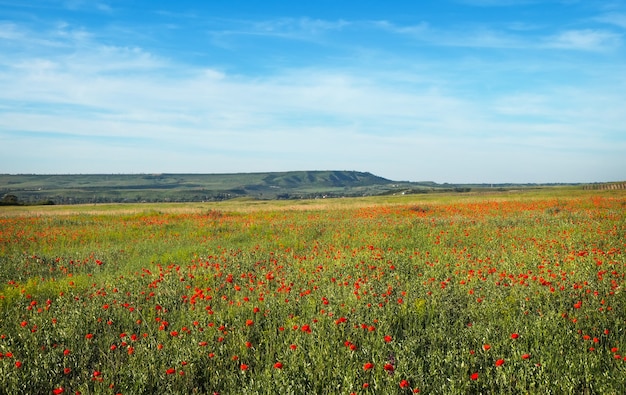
pixel 10 31
pixel 585 40
pixel 614 18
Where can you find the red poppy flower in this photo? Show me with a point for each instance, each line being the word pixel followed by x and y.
pixel 474 376
pixel 404 384
pixel 170 371
pixel 388 367
pixel 514 335
pixel 58 391
pixel 18 364
pixel 388 339
pixel 525 356
pixel 500 362
pixel 278 365
pixel 368 366
pixel 486 347
pixel 243 367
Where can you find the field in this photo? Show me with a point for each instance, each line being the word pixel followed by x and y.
pixel 448 294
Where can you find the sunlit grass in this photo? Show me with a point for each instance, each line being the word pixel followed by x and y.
pixel 491 293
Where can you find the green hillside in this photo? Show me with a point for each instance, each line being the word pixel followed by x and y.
pixel 101 188
pixel 127 188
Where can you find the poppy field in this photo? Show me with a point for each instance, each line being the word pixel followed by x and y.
pixel 460 294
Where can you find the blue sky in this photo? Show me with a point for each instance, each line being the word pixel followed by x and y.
pixel 456 91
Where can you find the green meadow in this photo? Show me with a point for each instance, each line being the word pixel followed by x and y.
pixel 513 292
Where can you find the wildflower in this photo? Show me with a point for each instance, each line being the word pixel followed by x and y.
pixel 525 356
pixel 170 371
pixel 18 364
pixel 243 367
pixel 474 376
pixel 404 384
pixel 293 346
pixel 486 347
pixel 278 365
pixel 67 370
pixel 514 336
pixel 500 362
pixel 388 339
pixel 389 367
pixel 58 391
pixel 249 322
pixel 368 366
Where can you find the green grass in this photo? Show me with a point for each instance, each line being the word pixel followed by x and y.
pixel 180 298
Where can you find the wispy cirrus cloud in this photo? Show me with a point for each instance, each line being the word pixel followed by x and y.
pixel 513 36
pixel 613 18
pixel 299 29
pixel 584 40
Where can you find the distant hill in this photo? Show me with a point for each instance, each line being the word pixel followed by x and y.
pixel 111 188
pixel 101 188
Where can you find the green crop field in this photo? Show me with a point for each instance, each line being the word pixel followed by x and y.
pixel 438 294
